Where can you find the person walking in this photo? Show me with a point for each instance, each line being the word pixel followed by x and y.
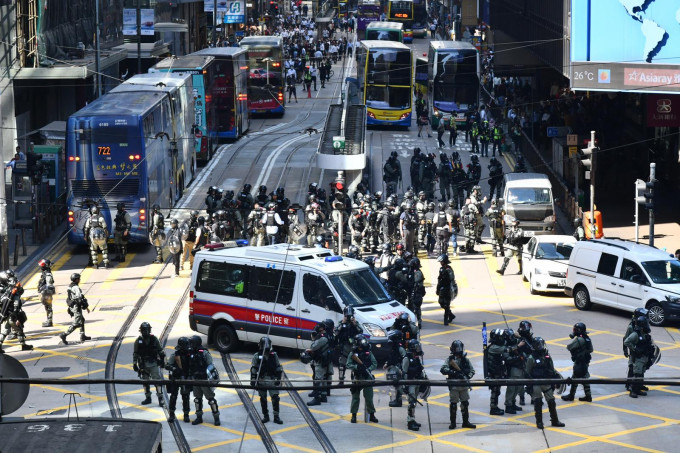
pixel 178 366
pixel 266 370
pixel 147 358
pixel 581 349
pixel 540 365
pixel 75 299
pixel 46 289
pixel 441 128
pixel 453 131
pixel 362 362
pixel 447 289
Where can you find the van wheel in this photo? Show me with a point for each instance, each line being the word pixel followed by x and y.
pixel 656 314
pixel 225 339
pixel 582 298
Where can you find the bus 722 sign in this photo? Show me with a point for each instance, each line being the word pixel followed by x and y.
pixel 104 150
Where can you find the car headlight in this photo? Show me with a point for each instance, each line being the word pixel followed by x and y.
pixel 673 300
pixel 538 271
pixel 549 219
pixel 374 330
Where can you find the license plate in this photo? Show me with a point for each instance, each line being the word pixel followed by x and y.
pixel 528 233
pixel 562 282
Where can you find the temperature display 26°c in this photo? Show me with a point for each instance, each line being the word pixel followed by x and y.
pixel 104 150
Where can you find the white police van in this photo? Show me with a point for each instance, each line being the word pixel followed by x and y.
pixel 239 294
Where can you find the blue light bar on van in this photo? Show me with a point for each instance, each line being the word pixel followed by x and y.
pixel 241 242
pixel 332 259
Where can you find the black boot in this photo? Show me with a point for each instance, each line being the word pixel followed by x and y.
pixel 199 411
pixel 147 400
pixel 554 421
pixel 538 412
pixel 466 415
pixel 265 411
pixel 496 411
pixel 504 266
pixel 453 408
pixel 570 396
pixel 63 338
pixel 354 418
pixel 171 417
pixel 520 267
pixel 413 426
pixel 510 410
pixel 275 409
pixel 26 347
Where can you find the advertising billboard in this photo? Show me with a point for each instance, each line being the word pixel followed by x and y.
pixel 629 45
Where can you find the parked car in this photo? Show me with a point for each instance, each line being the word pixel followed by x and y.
pixel 625 275
pixel 545 261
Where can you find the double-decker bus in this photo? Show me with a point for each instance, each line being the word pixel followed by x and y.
pixel 385 75
pixel 454 74
pixel 367 11
pixel 200 68
pixel 419 19
pixel 421 77
pixel 402 11
pixel 133 145
pixel 227 92
pixel 385 31
pixel 266 79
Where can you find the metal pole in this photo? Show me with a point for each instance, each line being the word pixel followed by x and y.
pixel 98 76
pixel 4 241
pixel 215 23
pixel 637 218
pixel 652 178
pixel 139 37
pixel 592 185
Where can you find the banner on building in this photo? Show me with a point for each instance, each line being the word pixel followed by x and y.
pixel 663 110
pixel 236 12
pixel 130 21
pixel 209 6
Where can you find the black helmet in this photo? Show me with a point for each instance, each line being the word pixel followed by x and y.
pixel 145 329
pixel 361 341
pixel 577 221
pixel 457 347
pixel 443 258
pixel 247 187
pixel 431 206
pixel 353 251
pixel 201 220
pixel 524 328
pixel 319 327
pixel 640 312
pixel 182 344
pixel 75 277
pixel 348 311
pixel 174 222
pixel 538 344
pixel 262 189
pixel 509 336
pixel 45 264
pixel 394 154
pixel 120 206
pixel 395 337
pixel 195 342
pixel 370 260
pixel 387 247
pixel 404 317
pixel 194 214
pixel 156 208
pixel 265 345
pixel 441 206
pixel 330 325
pixel 642 324
pixel 452 203
pixel 414 346
pixel 280 192
pixel 580 328
pixel 414 263
pixel 497 337
pixel 399 263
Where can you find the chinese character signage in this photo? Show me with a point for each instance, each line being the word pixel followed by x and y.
pixel 236 12
pixel 209 6
pixel 663 110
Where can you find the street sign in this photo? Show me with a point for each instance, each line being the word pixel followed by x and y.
pixel 572 140
pixel 558 131
pixel 338 142
pixel 573 151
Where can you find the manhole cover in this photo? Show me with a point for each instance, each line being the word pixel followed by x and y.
pixel 111 308
pixel 56 369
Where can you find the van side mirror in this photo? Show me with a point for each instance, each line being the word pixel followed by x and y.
pixel 332 304
pixel 637 278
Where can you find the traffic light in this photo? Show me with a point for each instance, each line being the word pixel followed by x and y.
pixel 649 194
pixel 640 188
pixel 587 159
pixel 273 8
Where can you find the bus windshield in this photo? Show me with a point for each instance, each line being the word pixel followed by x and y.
pixel 359 288
pixel 389 67
pixel 456 78
pixel 383 35
pixel 401 9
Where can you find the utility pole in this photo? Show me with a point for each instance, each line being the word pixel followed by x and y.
pixel 588 160
pixel 640 187
pixel 139 37
pixel 649 196
pixel 98 76
pixel 214 40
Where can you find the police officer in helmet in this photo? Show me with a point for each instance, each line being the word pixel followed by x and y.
pixel 581 349
pixel 458 367
pixel 147 358
pixel 266 370
pixel 121 233
pixel 178 366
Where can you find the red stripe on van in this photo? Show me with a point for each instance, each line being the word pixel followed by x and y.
pixel 245 314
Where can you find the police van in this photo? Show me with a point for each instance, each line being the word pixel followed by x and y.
pixel 239 294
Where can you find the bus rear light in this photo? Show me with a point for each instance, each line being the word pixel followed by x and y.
pixel 276 65
pixel 70 219
pixel 208 98
pixel 280 97
pixel 137 157
pixel 70 213
pixel 134 157
pixel 404 116
pixel 371 115
pixel 142 214
pixel 131 157
pixel 242 97
pixel 142 217
pixel 243 68
pixel 76 158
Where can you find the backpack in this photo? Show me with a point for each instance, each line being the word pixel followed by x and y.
pixel 244 200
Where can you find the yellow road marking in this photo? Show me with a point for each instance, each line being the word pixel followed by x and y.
pixel 149 275
pixel 115 274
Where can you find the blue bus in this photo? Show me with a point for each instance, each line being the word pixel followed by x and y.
pixel 226 92
pixel 201 69
pixel 133 145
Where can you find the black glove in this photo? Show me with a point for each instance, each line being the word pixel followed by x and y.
pixel 135 368
pixel 625 352
pixel 160 362
pixel 252 383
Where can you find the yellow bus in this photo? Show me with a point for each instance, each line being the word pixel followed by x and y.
pixel 402 11
pixel 385 75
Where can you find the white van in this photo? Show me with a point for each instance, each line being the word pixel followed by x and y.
pixel 529 199
pixel 240 294
pixel 625 275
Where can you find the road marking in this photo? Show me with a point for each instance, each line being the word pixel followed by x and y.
pixel 271 159
pixel 149 276
pixel 116 273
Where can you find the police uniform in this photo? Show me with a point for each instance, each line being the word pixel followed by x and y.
pixel 15 315
pixel 409 222
pixel 175 246
pixel 345 333
pixel 46 290
pixel 412 368
pixel 496 226
pixel 458 367
pixel 392 174
pixel 158 234
pixel 189 242
pixel 362 372
pixel 178 366
pixel 496 354
pixel 514 240
pixel 199 360
pixel 147 357
pixel 121 233
pixel 255 227
pixel 447 290
pixel 93 222
pixel 540 365
pixel 266 370
pixel 640 347
pixel 469 219
pixel 75 299
pixel 441 226
pixel 395 358
pixel 581 349
pixel 321 358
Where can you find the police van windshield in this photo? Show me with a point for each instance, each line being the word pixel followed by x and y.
pixel 664 271
pixel 529 195
pixel 359 288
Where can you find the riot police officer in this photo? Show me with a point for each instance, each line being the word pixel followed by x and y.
pixel 440 223
pixel 362 362
pixel 320 352
pixel 540 366
pixel 96 234
pixel 458 367
pixel 416 289
pixel 447 289
pixel 46 289
pixel 175 244
pixel 469 220
pixel 211 201
pixel 581 349
pixel 200 361
pixel 494 214
pixel 202 237
pixel 495 177
pixel 266 370
pixel 147 358
pixel 639 312
pixel 189 237
pixel 315 219
pixel 395 357
pixel 345 333
pixel 392 173
pixel 121 233
pixel 255 229
pixel 412 367
pixel 271 222
pixel 445 171
pixel 158 232
pixel 76 301
pixel 408 222
pixel 641 347
pixel 579 231
pixel 495 357
pixel 514 240
pixel 14 317
pixel 178 366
